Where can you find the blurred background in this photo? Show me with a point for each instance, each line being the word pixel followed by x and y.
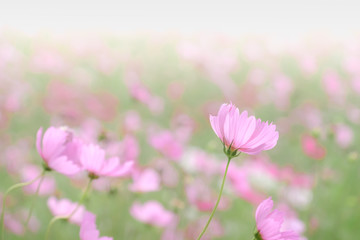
pixel 141 78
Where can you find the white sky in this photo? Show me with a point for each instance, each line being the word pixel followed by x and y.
pixel 278 18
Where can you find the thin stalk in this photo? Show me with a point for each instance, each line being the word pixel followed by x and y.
pixel 10 189
pixel 54 219
pixel 218 200
pixel 33 202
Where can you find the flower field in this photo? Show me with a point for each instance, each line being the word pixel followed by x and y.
pixel 130 137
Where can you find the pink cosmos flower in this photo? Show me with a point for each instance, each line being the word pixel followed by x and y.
pixel 196 160
pixel 92 159
pixel 242 186
pixel 15 155
pixel 292 222
pixel 169 175
pixel 344 135
pixel 333 85
pixel 242 133
pixel 147 180
pixel 13 225
pixel 283 88
pixel 153 213
pixel 312 148
pixel 29 173
pixel 166 143
pixel 139 92
pixel 88 229
pixel 132 121
pixel 129 148
pixel 52 147
pixel 183 126
pixel 64 207
pixel 172 233
pixel 269 223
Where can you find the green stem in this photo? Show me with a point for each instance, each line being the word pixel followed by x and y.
pixel 33 202
pixel 218 200
pixel 10 189
pixel 54 219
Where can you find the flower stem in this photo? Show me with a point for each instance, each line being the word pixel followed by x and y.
pixel 33 202
pixel 54 219
pixel 10 189
pixel 218 200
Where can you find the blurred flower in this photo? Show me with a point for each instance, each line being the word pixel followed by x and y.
pixel 196 160
pixel 344 135
pixel 172 233
pixel 269 223
pixel 48 61
pixel 64 207
pixel 298 196
pixel 333 86
pixel 242 187
pixel 129 148
pixel 139 92
pixel 75 106
pixel 183 126
pixel 203 197
pixel 132 121
pixel 166 143
pixel 168 173
pixel 283 88
pixel 16 155
pixel 92 159
pixel 147 180
pixel 217 64
pixel 312 148
pixel 14 225
pixel 102 105
pixel 53 150
pixel 88 230
pixel 243 133
pixel 153 213
pixel 29 173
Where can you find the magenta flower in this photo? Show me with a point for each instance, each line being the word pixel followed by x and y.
pixel 64 208
pixel 153 213
pixel 92 159
pixel 52 148
pixel 238 132
pixel 269 223
pixel 88 229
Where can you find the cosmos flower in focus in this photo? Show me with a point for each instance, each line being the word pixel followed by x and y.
pixel 52 148
pixel 269 223
pixel 88 229
pixel 239 132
